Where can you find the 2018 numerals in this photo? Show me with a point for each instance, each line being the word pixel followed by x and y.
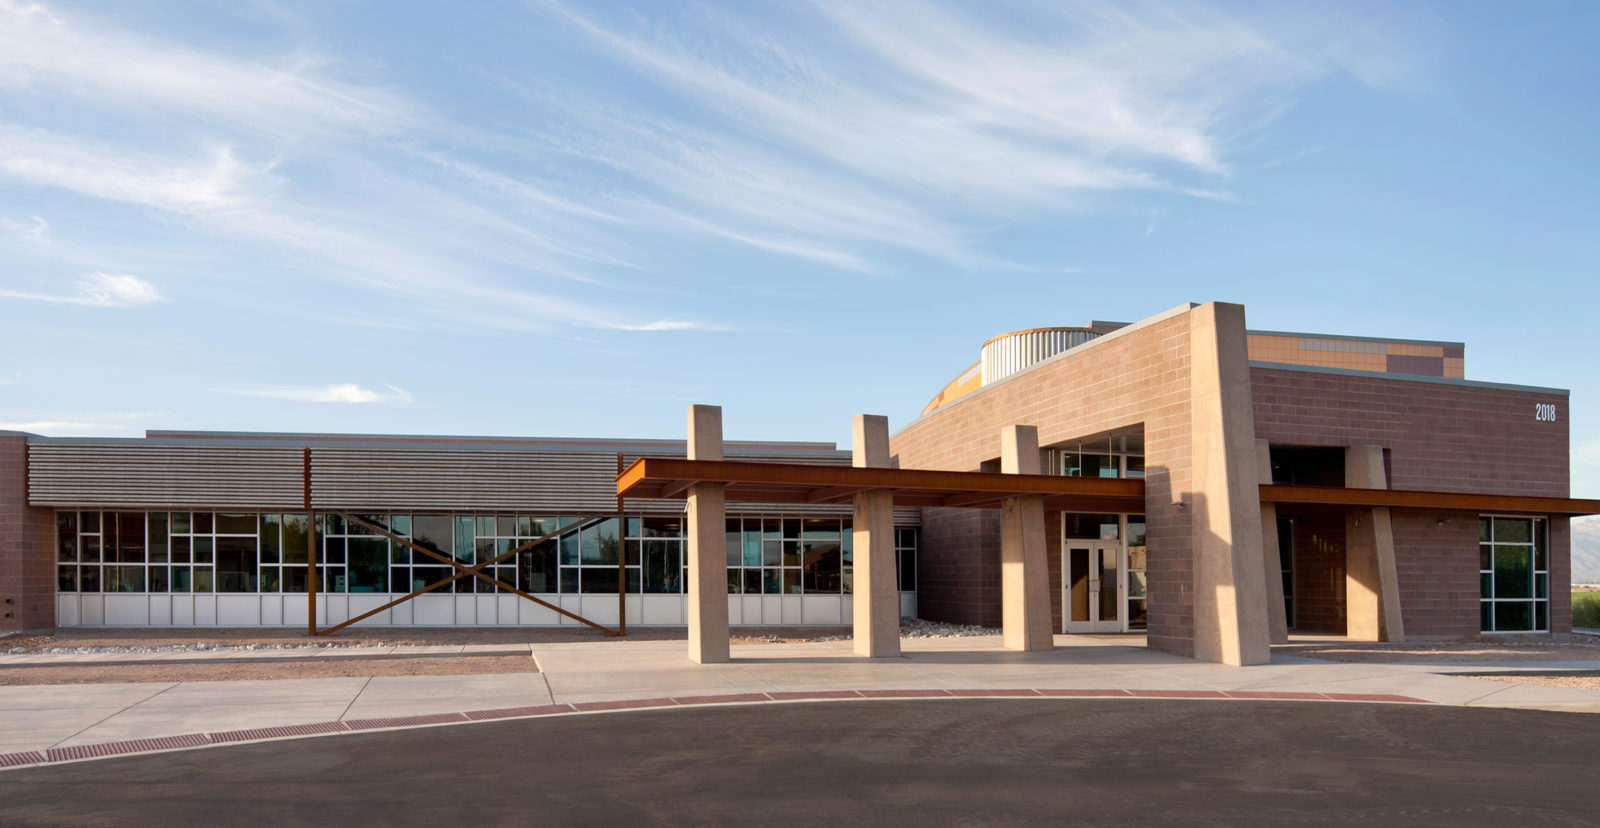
pixel 1544 412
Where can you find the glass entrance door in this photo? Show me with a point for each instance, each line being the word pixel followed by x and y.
pixel 1092 586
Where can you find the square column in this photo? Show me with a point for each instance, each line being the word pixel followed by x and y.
pixel 1371 582
pixel 708 555
pixel 1277 622
pixel 876 593
pixel 1024 569
pixel 1230 590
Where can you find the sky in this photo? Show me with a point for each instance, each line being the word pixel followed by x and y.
pixel 565 219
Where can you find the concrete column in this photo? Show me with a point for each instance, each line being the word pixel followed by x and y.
pixel 1024 570
pixel 1230 591
pixel 1277 623
pixel 876 591
pixel 1371 583
pixel 708 554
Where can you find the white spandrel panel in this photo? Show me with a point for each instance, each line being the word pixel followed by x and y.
pixel 205 611
pixel 161 610
pixel 821 609
pixel 433 610
pixel 69 609
pixel 182 610
pixel 238 610
pixel 534 615
pixel 662 610
pixel 132 610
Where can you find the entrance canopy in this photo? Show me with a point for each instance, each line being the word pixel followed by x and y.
pixel 655 477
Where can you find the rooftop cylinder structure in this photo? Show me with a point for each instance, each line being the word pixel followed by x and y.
pixel 1009 353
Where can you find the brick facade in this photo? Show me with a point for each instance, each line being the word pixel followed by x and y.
pixel 1442 436
pixel 1437 436
pixel 960 548
pixel 27 547
pixel 1138 378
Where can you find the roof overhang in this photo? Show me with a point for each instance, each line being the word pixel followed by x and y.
pixel 655 477
pixel 1337 497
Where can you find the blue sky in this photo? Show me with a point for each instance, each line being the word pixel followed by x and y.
pixel 569 219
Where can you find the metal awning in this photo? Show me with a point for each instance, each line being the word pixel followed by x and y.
pixel 1338 497
pixel 658 477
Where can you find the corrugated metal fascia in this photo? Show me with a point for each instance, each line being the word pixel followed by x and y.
pixel 430 479
pixel 164 476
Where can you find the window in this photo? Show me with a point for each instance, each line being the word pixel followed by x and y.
pixel 189 552
pixel 1121 456
pixel 905 555
pixel 1513 574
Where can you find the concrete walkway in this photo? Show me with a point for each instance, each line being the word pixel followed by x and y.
pixel 62 722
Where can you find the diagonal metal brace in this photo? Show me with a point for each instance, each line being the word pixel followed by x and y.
pixel 462 571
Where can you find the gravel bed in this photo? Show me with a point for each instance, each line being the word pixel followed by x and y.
pixel 102 641
pixel 28 674
pixel 1584 682
pixel 1541 648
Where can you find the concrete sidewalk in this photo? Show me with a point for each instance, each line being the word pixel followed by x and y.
pixel 613 673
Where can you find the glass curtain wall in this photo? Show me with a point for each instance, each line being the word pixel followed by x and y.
pixel 268 553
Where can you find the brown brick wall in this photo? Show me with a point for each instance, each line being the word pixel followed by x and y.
pixel 27 547
pixel 1441 437
pixel 958 566
pixel 1438 569
pixel 1561 575
pixel 1138 379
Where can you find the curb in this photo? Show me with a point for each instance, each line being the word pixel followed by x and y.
pixel 78 753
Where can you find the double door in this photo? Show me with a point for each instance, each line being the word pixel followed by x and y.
pixel 1093 586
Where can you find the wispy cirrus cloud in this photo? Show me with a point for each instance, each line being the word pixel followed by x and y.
pixel 99 290
pixel 176 182
pixel 35 229
pixel 838 137
pixel 48 51
pixel 342 392
pixel 670 325
pixel 921 126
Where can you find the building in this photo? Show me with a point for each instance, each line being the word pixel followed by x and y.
pixel 1261 481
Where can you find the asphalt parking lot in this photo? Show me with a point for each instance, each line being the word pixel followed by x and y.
pixel 921 762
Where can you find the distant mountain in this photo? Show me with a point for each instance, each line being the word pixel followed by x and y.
pixel 1586 550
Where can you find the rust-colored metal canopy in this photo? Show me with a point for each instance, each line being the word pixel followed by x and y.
pixel 659 477
pixel 1336 497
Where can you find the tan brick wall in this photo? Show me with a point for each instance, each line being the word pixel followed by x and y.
pixel 1137 379
pixel 27 547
